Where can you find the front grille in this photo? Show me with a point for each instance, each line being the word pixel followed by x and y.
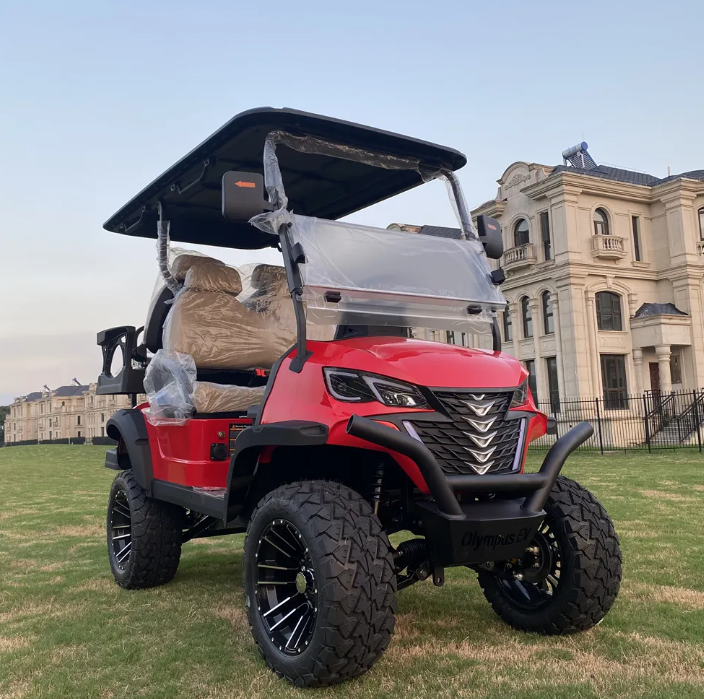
pixel 479 439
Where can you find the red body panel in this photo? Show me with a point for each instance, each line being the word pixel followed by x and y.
pixel 181 454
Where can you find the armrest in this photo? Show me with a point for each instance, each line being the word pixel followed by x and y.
pixel 129 379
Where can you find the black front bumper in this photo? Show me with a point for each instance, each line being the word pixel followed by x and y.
pixel 487 531
pixel 476 532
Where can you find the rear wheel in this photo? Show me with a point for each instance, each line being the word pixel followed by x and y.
pixel 319 583
pixel 144 535
pixel 569 576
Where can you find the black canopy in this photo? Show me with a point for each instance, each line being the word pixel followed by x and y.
pixel 316 185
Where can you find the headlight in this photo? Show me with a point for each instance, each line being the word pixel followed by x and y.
pixel 357 387
pixel 520 395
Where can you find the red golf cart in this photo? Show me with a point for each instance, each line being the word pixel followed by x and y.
pixel 294 403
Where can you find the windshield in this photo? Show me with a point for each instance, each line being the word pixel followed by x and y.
pixel 361 275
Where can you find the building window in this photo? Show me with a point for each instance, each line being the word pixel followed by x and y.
pixel 532 379
pixel 78 420
pixel 508 326
pixel 613 376
pixel 521 233
pixel 675 369
pixel 545 234
pixel 79 433
pixel 553 384
pixel 49 434
pixel 450 337
pixel 636 237
pixel 102 431
pixel 608 311
pixel 601 222
pixel 102 417
pixel 548 315
pixel 701 223
pixel 527 317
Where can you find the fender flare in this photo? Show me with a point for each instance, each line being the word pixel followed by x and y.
pixel 128 427
pixel 250 442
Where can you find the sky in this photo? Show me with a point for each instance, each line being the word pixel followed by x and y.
pixel 97 98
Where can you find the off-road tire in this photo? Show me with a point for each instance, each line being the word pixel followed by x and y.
pixel 591 567
pixel 156 536
pixel 354 573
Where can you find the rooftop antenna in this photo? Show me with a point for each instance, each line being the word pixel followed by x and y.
pixel 578 157
pixel 77 382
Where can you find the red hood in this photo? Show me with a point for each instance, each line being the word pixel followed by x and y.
pixel 422 362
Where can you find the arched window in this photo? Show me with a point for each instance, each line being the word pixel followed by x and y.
pixel 548 315
pixel 701 223
pixel 520 233
pixel 508 326
pixel 608 311
pixel 527 317
pixel 601 222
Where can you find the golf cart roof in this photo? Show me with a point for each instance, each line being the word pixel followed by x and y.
pixel 316 185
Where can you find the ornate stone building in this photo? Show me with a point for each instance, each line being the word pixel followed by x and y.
pixel 604 277
pixel 67 412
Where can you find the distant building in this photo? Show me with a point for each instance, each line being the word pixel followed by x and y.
pixel 67 412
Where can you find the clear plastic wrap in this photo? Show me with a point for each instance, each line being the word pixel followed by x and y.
pixel 210 322
pixel 363 275
pixel 169 382
pixel 271 221
pixel 219 398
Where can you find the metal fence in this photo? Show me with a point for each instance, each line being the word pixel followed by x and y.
pixel 624 422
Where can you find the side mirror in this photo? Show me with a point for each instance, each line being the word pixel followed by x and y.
pixel 490 236
pixel 243 195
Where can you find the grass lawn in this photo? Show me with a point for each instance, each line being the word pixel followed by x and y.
pixel 67 630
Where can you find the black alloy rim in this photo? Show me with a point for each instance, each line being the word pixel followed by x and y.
pixel 531 582
pixel 286 591
pixel 121 529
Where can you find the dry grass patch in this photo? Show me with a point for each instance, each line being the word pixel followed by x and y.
pixel 10 643
pixel 680 596
pixel 672 497
pixel 236 616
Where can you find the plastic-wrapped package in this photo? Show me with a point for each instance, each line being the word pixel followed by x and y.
pixel 218 398
pixel 433 282
pixel 169 382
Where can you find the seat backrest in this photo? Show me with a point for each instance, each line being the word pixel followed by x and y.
pixel 208 322
pixel 272 299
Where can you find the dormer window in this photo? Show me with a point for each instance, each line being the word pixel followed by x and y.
pixel 701 223
pixel 601 222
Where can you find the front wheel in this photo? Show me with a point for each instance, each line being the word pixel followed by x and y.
pixel 319 583
pixel 569 576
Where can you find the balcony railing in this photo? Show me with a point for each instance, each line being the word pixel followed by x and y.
pixel 520 256
pixel 609 247
pixel 700 247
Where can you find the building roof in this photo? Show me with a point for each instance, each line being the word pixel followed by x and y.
pixel 611 173
pixel 658 309
pixel 66 391
pixel 36 395
pixel 441 232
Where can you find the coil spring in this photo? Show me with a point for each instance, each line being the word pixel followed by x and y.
pixel 376 487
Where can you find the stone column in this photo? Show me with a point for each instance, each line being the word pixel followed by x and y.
pixel 662 352
pixel 558 343
pixel 593 346
pixel 537 328
pixel 512 310
pixel 638 369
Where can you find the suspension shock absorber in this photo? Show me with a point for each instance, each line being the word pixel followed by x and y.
pixel 376 487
